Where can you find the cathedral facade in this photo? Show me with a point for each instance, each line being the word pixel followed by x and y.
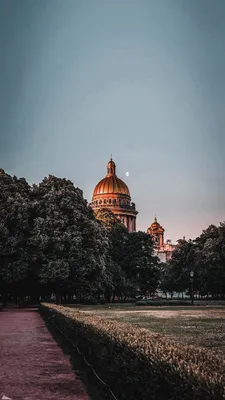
pixel 163 249
pixel 112 193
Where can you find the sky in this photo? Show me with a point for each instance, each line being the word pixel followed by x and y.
pixel 141 79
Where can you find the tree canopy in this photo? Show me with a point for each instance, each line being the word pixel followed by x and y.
pixel 51 242
pixel 205 256
pixel 15 224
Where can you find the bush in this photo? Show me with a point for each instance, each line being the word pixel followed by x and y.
pixel 137 364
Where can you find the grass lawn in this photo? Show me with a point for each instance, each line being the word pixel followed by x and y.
pixel 202 326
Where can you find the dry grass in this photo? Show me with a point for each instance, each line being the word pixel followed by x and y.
pixel 201 326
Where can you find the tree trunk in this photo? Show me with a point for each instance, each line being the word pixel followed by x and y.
pixel 58 299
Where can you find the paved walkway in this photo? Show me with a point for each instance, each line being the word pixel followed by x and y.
pixel 32 365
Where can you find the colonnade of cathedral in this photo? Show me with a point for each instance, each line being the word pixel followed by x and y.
pixel 128 221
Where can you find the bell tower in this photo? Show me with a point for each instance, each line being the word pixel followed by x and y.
pixel 157 233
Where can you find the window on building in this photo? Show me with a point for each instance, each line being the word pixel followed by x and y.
pixel 110 201
pixel 105 201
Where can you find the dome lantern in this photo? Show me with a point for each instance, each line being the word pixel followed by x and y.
pixel 111 167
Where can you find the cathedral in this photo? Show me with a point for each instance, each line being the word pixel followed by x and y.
pixel 112 193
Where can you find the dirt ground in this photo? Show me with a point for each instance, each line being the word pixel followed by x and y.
pixel 32 365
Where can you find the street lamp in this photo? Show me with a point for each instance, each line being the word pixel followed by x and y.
pixel 191 282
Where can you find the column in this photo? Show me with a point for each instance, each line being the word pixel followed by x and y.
pixel 131 224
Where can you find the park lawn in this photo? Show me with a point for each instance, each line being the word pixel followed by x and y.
pixel 200 326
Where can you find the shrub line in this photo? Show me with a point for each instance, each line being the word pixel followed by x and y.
pixel 83 356
pixel 137 363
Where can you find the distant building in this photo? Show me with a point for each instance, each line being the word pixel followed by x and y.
pixel 163 249
pixel 112 193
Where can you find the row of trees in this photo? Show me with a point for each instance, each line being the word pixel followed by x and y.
pixel 205 256
pixel 52 242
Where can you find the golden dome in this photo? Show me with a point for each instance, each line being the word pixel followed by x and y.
pixel 111 184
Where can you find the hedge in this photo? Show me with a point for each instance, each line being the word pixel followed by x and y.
pixel 162 303
pixel 138 364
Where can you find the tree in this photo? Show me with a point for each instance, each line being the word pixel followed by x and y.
pixel 68 245
pixel 115 281
pixel 15 219
pixel 133 267
pixel 107 218
pixel 210 260
pixel 142 267
pixel 166 279
pixel 179 267
pixel 205 256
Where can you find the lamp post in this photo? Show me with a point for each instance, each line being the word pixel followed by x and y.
pixel 137 278
pixel 138 274
pixel 191 282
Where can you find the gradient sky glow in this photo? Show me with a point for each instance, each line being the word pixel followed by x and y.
pixel 141 79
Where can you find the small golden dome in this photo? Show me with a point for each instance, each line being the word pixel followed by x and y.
pixel 155 226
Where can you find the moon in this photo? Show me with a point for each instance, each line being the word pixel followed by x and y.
pixel 127 173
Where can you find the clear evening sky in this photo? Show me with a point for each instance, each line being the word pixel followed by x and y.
pixel 141 79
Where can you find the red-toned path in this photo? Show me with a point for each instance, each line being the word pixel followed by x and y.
pixel 32 365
